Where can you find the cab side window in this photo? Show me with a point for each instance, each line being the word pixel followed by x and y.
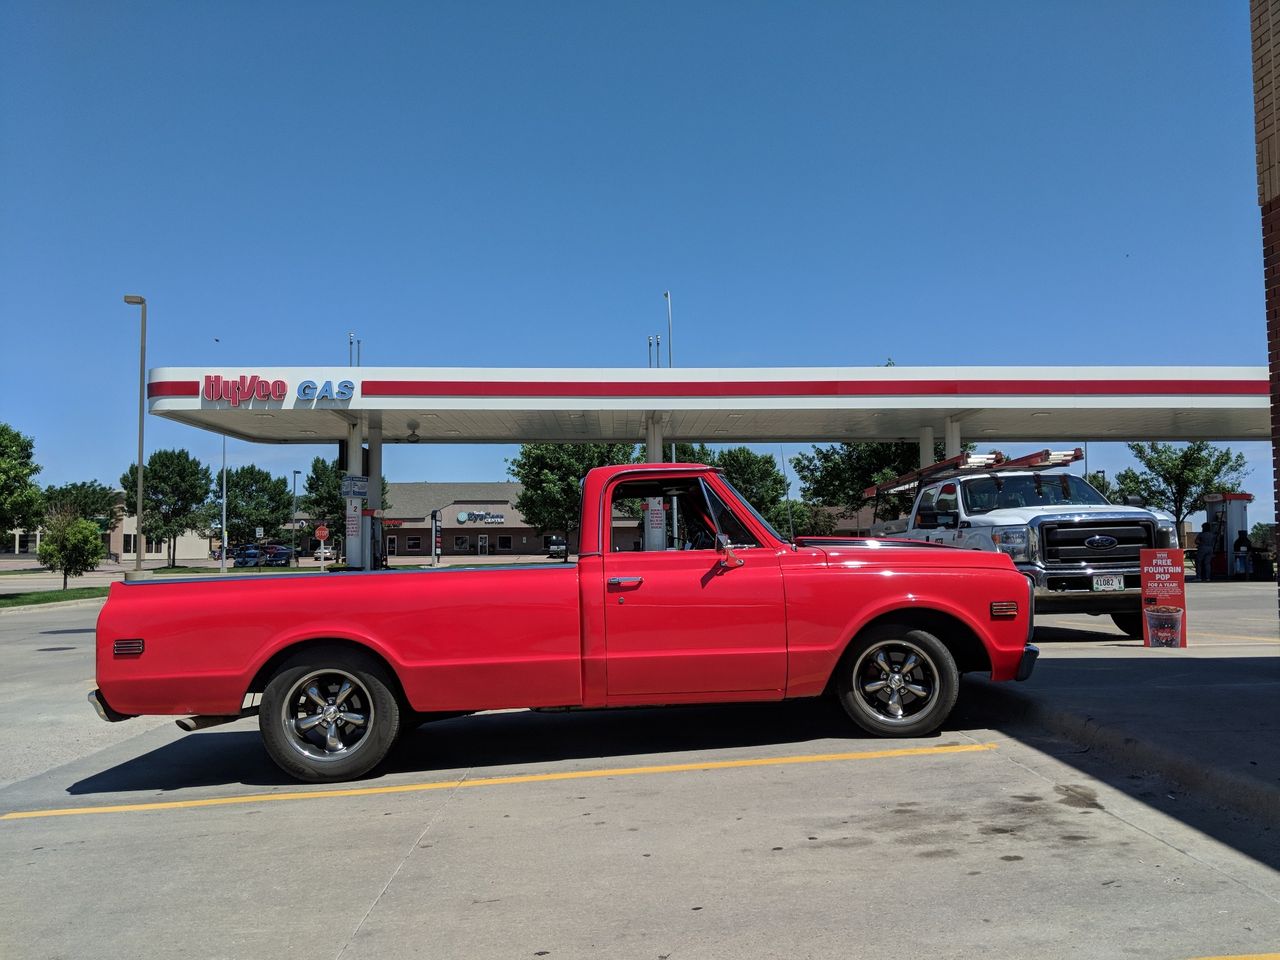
pixel 948 502
pixel 682 514
pixel 928 501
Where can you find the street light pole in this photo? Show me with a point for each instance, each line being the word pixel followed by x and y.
pixel 293 524
pixel 139 540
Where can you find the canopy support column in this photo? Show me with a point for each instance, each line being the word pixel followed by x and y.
pixel 374 551
pixel 355 455
pixel 926 446
pixel 952 437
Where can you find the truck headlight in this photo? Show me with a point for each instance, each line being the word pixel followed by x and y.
pixel 1166 535
pixel 1017 542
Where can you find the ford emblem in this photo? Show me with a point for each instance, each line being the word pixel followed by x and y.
pixel 1101 542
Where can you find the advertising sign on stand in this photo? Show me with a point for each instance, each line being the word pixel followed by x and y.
pixel 1164 599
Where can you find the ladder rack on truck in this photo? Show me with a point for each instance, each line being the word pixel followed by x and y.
pixel 972 463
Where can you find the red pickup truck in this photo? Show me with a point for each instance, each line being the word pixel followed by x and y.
pixel 721 608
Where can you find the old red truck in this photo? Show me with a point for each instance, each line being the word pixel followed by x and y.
pixel 722 608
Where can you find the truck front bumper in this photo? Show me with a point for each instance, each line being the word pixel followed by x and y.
pixel 1071 590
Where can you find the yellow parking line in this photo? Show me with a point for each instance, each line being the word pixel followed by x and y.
pixel 500 781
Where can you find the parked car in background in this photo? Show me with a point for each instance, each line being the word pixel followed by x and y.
pixel 557 547
pixel 325 552
pixel 275 555
pixel 247 555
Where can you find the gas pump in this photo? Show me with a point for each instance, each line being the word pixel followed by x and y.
pixel 1227 514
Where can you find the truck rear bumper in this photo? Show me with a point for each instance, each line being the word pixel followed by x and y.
pixel 1030 654
pixel 105 710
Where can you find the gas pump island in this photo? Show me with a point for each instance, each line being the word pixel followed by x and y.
pixel 1228 517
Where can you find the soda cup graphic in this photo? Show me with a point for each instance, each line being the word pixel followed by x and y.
pixel 1164 625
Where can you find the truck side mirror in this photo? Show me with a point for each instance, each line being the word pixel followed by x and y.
pixel 1134 500
pixel 727 557
pixel 926 519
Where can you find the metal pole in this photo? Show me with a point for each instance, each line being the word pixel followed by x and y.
pixel 222 565
pixel 140 540
pixel 293 520
pixel 358 343
pixel 651 351
pixel 351 345
pixel 667 296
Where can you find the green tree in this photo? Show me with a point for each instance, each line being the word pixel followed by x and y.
pixel 255 499
pixel 89 500
pixel 70 544
pixel 689 453
pixel 1176 477
pixel 1263 536
pixel 754 475
pixel 837 475
pixel 322 498
pixel 807 519
pixel 20 500
pixel 1098 480
pixel 176 488
pixel 552 477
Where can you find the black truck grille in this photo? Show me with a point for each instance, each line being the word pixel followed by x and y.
pixel 1086 543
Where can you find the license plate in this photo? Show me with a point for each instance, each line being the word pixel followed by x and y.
pixel 1113 581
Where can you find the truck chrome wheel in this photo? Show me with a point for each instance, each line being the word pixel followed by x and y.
pixel 898 681
pixel 327 714
pixel 895 680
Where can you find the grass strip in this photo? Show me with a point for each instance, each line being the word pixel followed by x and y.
pixel 34 597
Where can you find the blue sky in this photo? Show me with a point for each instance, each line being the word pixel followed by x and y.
pixel 516 184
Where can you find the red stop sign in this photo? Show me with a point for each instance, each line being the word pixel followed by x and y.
pixel 322 533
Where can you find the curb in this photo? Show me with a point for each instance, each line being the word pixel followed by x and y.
pixel 1244 794
pixel 56 605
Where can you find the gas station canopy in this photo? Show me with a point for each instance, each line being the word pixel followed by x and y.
pixel 810 404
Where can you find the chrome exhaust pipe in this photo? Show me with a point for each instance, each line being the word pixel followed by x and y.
pixel 191 724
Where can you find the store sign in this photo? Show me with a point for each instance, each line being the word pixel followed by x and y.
pixel 1164 599
pixel 481 516
pixel 238 389
pixel 310 390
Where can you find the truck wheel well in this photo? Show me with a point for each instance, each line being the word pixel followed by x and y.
pixel 268 669
pixel 970 655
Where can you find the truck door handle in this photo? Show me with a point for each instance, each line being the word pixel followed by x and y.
pixel 619 581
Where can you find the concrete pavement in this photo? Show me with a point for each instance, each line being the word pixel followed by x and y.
pixel 1207 717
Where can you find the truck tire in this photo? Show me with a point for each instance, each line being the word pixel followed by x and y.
pixel 329 714
pixel 897 681
pixel 1129 622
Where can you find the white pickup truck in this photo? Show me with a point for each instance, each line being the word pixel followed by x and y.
pixel 1079 550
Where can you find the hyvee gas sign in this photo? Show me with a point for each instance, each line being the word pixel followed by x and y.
pixel 236 390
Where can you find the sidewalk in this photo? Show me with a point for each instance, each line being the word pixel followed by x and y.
pixel 1207 717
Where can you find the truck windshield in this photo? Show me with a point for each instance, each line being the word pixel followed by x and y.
pixel 754 512
pixel 984 494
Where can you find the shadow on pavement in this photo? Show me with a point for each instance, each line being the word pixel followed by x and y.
pixel 223 758
pixel 1197 739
